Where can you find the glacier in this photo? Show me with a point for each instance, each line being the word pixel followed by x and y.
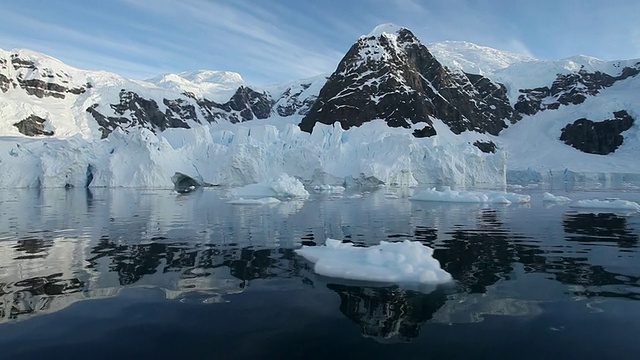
pixel 236 155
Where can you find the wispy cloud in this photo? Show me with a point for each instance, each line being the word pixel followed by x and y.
pixel 255 37
pixel 282 40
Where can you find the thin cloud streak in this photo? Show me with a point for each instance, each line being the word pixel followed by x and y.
pixel 282 40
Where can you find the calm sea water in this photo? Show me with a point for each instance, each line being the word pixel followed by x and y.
pixel 119 274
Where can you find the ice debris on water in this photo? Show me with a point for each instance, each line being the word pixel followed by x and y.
pixel 389 262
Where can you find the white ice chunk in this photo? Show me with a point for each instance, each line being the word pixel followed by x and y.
pixel 284 186
pixel 407 262
pixel 260 201
pixel 448 195
pixel 616 204
pixel 549 197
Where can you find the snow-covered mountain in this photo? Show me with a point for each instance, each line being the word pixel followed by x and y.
pixel 46 97
pixel 390 75
pixel 451 113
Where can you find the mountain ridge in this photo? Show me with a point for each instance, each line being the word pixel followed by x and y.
pixel 395 86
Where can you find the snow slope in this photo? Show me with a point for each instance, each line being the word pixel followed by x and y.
pixel 474 59
pixel 214 85
pixel 535 152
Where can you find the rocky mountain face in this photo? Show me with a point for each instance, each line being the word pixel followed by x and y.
pixel 391 75
pixel 569 89
pixel 111 102
pixel 135 110
pixel 47 82
pixel 387 75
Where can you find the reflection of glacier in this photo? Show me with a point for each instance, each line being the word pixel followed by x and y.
pixel 58 247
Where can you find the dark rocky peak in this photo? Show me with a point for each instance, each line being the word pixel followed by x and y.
pixel 391 75
pixel 597 137
pixel 570 89
pixel 245 104
pixel 250 104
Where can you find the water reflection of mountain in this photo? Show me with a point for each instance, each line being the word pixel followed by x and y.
pixel 134 261
pixel 180 269
pixel 600 227
pixel 200 247
pixel 487 253
pixel 388 314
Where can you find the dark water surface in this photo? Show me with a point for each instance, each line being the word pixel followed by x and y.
pixel 149 274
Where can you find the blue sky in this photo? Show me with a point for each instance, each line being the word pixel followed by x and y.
pixel 271 41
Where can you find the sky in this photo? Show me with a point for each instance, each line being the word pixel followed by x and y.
pixel 275 41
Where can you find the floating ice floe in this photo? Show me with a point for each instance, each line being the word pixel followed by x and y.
pixel 284 186
pixel 614 204
pixel 549 197
pixel 407 262
pixel 448 195
pixel 259 201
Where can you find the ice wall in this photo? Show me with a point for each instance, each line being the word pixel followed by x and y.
pixel 236 155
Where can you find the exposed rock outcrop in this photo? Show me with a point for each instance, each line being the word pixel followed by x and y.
pixel 33 126
pixel 5 83
pixel 597 137
pixel 40 88
pixel 485 146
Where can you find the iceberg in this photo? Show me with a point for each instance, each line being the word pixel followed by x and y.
pixel 284 186
pixel 407 262
pixel 549 197
pixel 448 195
pixel 260 201
pixel 613 204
